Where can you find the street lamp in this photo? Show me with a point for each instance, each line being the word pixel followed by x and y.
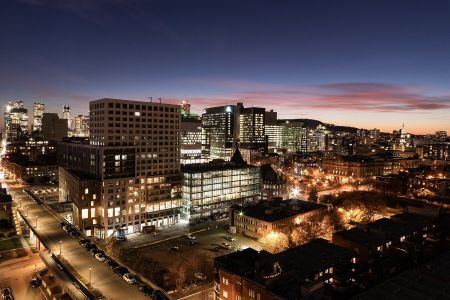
pixel 60 243
pixel 35 225
pixel 90 273
pixel 27 210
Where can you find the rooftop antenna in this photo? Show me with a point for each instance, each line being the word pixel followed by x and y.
pixel 159 99
pixel 151 99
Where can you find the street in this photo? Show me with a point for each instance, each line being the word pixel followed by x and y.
pixel 104 279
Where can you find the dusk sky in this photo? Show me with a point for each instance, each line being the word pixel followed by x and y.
pixel 359 63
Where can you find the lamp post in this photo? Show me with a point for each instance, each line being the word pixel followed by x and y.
pixel 27 210
pixel 90 273
pixel 60 243
pixel 35 225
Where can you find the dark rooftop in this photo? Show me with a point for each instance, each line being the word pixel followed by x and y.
pixel 274 210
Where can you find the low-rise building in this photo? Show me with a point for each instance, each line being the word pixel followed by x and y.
pixel 296 273
pixel 273 185
pixel 359 167
pixel 32 172
pixel 260 219
pixel 6 216
pixel 210 189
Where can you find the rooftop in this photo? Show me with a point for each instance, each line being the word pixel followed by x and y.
pixel 274 210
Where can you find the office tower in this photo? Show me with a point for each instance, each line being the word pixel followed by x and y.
pixel 16 121
pixel 128 176
pixel 191 140
pixel 316 139
pixel 81 126
pixel 226 126
pixel 38 112
pixel 53 128
pixel 67 116
pixel 287 135
pixel 401 139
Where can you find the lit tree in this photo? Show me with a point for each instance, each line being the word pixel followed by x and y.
pixel 312 228
pixel 274 242
pixel 313 196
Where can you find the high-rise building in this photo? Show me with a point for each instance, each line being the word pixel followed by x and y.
pixel 128 176
pixel 80 126
pixel 287 135
pixel 53 128
pixel 316 139
pixel 38 112
pixel 191 140
pixel 186 106
pixel 67 116
pixel 16 120
pixel 226 126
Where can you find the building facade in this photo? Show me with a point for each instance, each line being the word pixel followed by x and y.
pixel 134 156
pixel 54 128
pixel 210 189
pixel 38 113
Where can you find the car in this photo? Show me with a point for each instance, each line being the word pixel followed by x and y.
pixel 174 248
pixel 84 242
pixel 35 282
pixel 129 278
pixel 121 271
pixel 62 224
pixel 90 247
pixel 94 251
pixel 111 264
pixel 67 227
pixel 7 294
pixel 145 289
pixel 200 275
pixel 158 295
pixel 190 236
pixel 193 242
pixel 217 248
pixel 100 256
pixel 74 234
pixel 120 238
pixel 230 238
pixel 225 246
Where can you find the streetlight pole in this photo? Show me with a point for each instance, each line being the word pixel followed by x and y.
pixel 90 273
pixel 27 210
pixel 35 225
pixel 60 243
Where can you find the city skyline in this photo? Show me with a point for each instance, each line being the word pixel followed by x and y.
pixel 373 70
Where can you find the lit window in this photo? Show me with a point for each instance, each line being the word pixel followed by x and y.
pixel 137 113
pixel 251 293
pixel 225 294
pixel 225 280
pixel 84 213
pixel 93 212
pixel 86 191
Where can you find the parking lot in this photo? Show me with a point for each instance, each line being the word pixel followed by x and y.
pixel 180 263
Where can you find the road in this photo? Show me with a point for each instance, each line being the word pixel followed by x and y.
pixel 17 276
pixel 105 280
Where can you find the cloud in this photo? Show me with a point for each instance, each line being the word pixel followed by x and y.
pixel 352 96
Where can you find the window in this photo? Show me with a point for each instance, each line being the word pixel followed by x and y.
pixel 93 212
pixel 86 191
pixel 251 293
pixel 225 280
pixel 84 213
pixel 238 297
pixel 225 294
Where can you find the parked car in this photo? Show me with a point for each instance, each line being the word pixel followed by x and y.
pixel 121 271
pixel 148 291
pixel 226 246
pixel 67 227
pixel 7 294
pixel 193 242
pixel 94 251
pixel 200 275
pixel 217 248
pixel 100 256
pixel 174 248
pixel 129 278
pixel 158 295
pixel 35 282
pixel 62 224
pixel 111 264
pixel 230 238
pixel 90 247
pixel 84 243
pixel 73 233
pixel 190 236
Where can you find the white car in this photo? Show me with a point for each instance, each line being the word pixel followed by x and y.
pixel 190 236
pixel 100 257
pixel 130 278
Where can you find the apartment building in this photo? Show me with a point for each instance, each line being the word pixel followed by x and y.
pixel 134 156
